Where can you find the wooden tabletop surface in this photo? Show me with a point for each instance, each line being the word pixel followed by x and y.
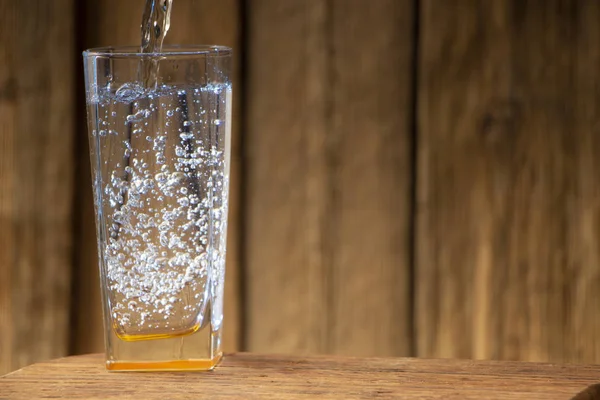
pixel 251 376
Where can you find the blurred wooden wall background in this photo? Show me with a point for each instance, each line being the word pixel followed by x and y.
pixel 410 177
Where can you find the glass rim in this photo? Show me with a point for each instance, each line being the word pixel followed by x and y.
pixel 167 51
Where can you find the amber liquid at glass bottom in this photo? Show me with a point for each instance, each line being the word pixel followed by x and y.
pixel 160 165
pixel 200 350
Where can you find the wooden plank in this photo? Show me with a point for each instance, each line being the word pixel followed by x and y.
pixel 243 376
pixel 367 224
pixel 286 304
pixel 505 262
pixel 327 177
pixel 7 178
pixel 113 22
pixel 36 169
pixel 582 275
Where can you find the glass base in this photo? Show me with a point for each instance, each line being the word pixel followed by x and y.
pixel 173 365
pixel 197 351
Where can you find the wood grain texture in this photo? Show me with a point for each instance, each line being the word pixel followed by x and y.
pixel 368 153
pixel 582 275
pixel 36 169
pixel 7 183
pixel 286 304
pixel 248 376
pixel 328 168
pixel 507 197
pixel 114 22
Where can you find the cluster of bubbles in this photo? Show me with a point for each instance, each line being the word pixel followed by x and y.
pixel 164 203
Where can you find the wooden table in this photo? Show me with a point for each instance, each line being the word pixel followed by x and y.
pixel 251 376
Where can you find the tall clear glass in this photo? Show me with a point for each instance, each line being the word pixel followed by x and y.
pixel 160 149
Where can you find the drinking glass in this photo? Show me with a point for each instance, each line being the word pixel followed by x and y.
pixel 159 133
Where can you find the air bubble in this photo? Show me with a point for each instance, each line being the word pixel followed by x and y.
pixel 138 116
pixel 132 305
pixel 176 177
pixel 118 216
pixel 129 92
pixel 164 241
pixel 160 177
pixel 161 261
